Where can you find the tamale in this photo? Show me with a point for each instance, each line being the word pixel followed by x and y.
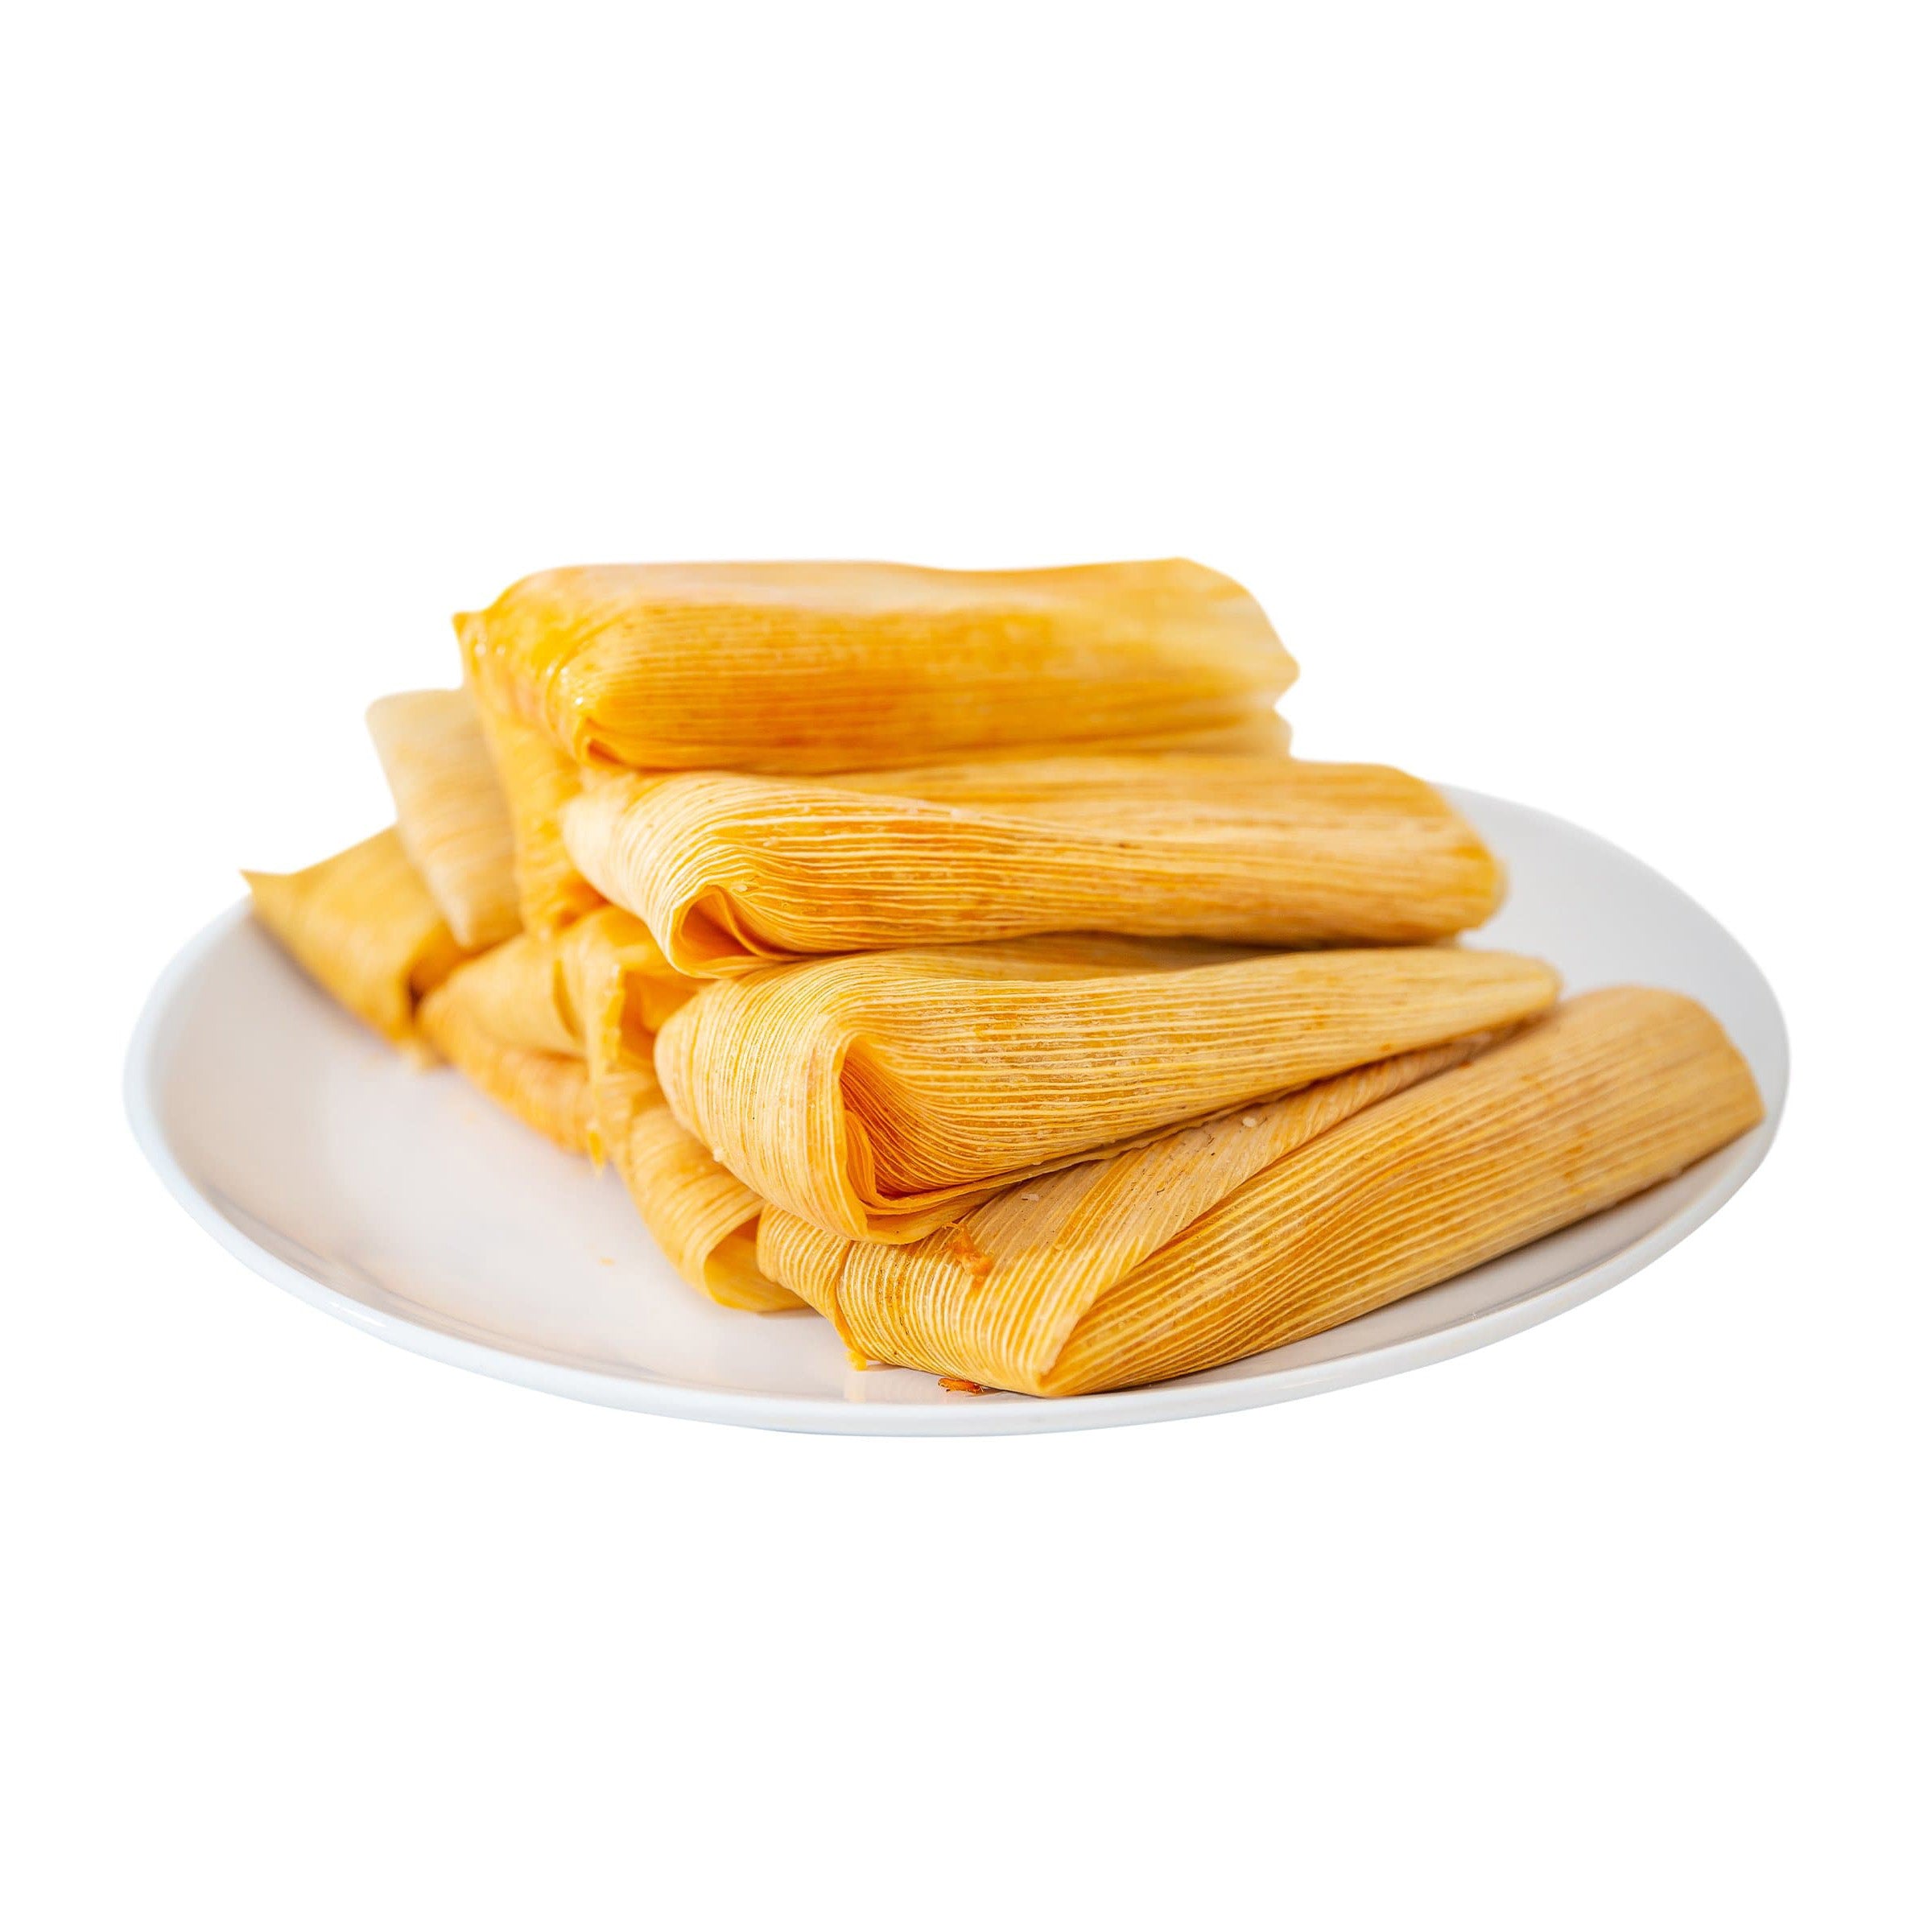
pixel 882 1095
pixel 538 782
pixel 845 666
pixel 732 872
pixel 450 811
pixel 1220 1241
pixel 364 926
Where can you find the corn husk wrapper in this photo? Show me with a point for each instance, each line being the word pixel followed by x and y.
pixel 845 667
pixel 1220 1241
pixel 882 1095
pixel 732 872
pixel 450 810
pixel 364 926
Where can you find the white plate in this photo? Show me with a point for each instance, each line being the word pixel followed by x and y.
pixel 404 1203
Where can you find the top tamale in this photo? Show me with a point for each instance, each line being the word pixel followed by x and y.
pixel 844 667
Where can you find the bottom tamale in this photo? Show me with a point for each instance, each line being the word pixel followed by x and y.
pixel 1258 1229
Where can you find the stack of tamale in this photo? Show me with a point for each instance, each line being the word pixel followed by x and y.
pixel 965 957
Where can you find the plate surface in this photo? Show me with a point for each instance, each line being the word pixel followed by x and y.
pixel 406 1203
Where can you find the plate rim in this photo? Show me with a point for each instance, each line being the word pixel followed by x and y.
pixel 1009 1414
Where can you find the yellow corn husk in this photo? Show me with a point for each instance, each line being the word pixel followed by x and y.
pixel 732 872
pixel 364 926
pixel 845 666
pixel 537 782
pixel 548 1091
pixel 1221 1242
pixel 882 1095
pixel 698 1213
pixel 450 811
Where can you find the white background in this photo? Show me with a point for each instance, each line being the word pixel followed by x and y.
pixel 1557 375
